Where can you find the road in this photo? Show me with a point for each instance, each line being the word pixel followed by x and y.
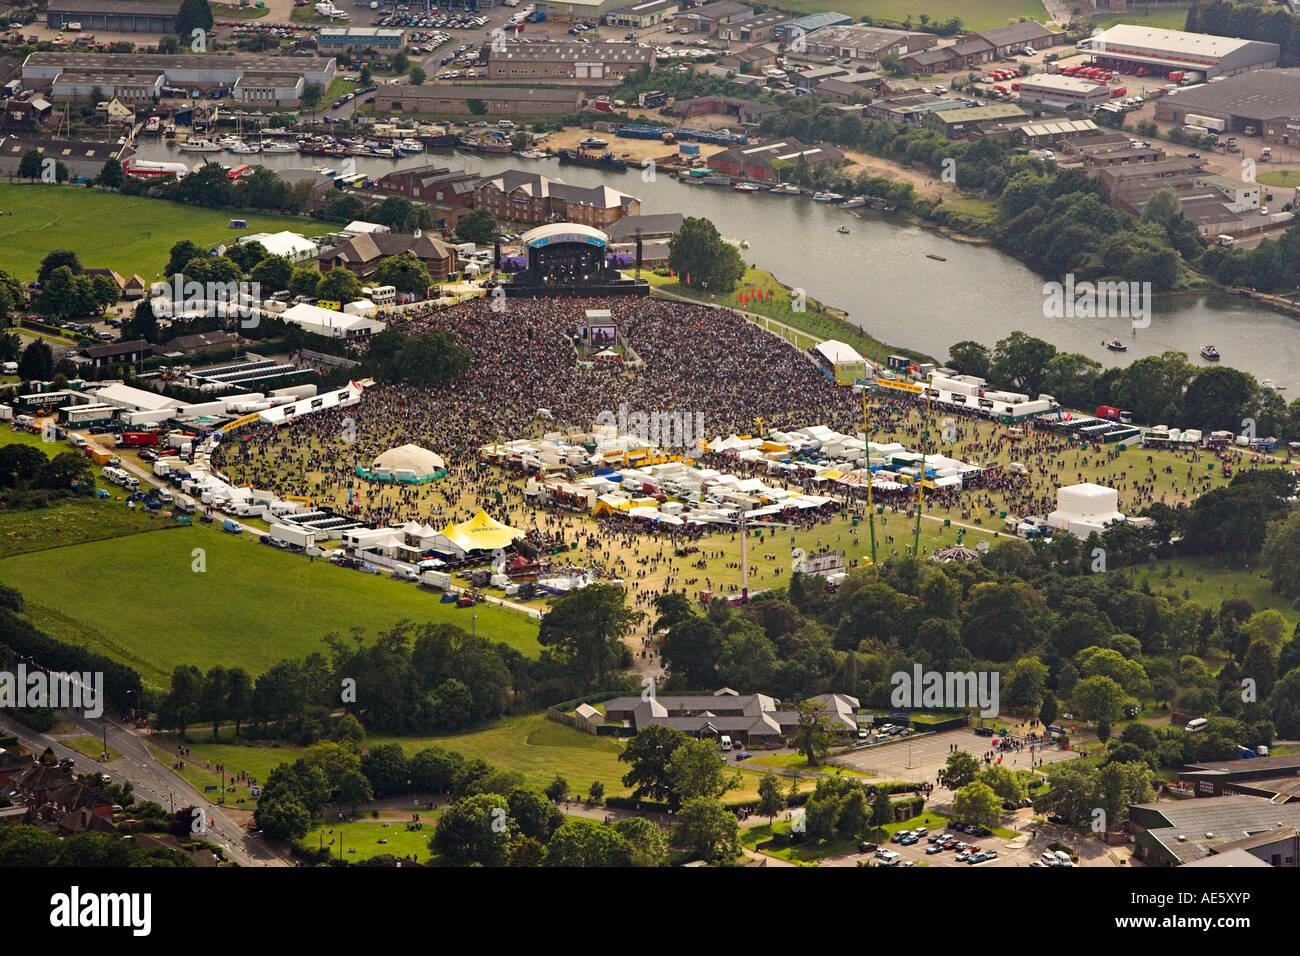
pixel 151 780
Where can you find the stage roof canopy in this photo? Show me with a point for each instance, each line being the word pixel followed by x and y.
pixel 563 232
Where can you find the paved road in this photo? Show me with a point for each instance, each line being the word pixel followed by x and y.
pixel 151 780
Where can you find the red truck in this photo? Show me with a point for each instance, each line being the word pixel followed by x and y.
pixel 137 438
pixel 1114 414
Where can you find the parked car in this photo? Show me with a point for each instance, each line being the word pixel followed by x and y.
pixel 865 847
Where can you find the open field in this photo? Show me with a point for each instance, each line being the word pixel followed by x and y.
pixel 251 605
pixel 72 522
pixel 40 218
pixel 1162 16
pixel 360 840
pixel 532 745
pixel 1210 583
pixel 974 14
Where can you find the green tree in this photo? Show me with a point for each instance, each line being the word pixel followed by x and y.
pixel 478 226
pixel 193 15
pixel 585 629
pixel 339 285
pixel 707 829
pixel 112 176
pixel 814 732
pixel 698 254
pixel 475 830
pixel 404 272
pixel 696 769
pixel 977 803
pixel 649 753
pixel 771 800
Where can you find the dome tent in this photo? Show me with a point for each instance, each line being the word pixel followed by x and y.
pixel 406 464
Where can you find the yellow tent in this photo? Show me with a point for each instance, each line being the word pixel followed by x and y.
pixel 481 532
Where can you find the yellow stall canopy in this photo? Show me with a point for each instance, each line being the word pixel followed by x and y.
pixel 481 532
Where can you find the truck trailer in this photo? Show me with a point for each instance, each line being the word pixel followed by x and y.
pixel 292 536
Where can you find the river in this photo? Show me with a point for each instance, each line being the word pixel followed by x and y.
pixel 880 274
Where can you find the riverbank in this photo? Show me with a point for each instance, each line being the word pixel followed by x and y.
pixel 776 306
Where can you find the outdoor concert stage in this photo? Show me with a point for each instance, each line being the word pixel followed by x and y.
pixel 568 259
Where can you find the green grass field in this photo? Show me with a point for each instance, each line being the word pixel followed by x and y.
pixel 1289 178
pixel 40 218
pixel 72 522
pixel 975 14
pixel 360 840
pixel 536 747
pixel 1162 16
pixel 1210 583
pixel 141 601
pixel 92 747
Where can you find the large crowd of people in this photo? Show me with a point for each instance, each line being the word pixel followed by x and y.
pixel 695 361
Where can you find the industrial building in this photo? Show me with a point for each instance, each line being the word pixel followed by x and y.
pixel 334 39
pixel 802 26
pixel 447 100
pixel 642 15
pixel 1132 47
pixel 599 64
pixel 85 86
pixel 575 11
pixel 1275 778
pixel 258 88
pixel 85 159
pixel 113 16
pixel 41 68
pixel 865 43
pixel 712 16
pixel 1016 36
pixel 763 162
pixel 756 29
pixel 957 123
pixel 1176 832
pixel 1263 102
pixel 1057 93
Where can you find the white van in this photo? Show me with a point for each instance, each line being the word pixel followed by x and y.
pixel 724 742
pixel 1197 725
pixel 10 368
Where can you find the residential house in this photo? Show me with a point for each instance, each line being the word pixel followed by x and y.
pixel 362 254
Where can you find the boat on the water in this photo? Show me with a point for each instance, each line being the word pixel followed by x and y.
pixel 854 203
pixel 606 160
pixel 246 149
pixel 530 153
pixel 1115 345
pixel 747 187
pixel 410 147
pixel 827 197
pixel 279 148
pixel 785 189
pixel 1209 353
pixel 199 145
